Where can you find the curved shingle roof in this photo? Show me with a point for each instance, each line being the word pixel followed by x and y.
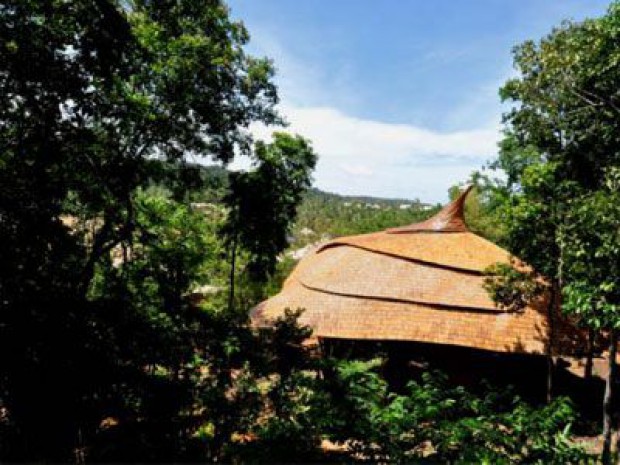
pixel 421 282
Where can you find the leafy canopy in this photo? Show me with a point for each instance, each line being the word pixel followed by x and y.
pixel 263 201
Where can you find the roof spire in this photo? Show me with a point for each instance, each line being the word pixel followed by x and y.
pixel 449 219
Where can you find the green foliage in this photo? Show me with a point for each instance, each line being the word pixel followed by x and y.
pixel 323 215
pixel 561 145
pixel 511 289
pixel 90 92
pixel 197 77
pixel 293 424
pixel 189 181
pixel 559 136
pixel 432 421
pixel 274 424
pixel 559 139
pixel 173 359
pixel 437 421
pixel 263 201
pixel 590 240
pixel 568 95
pixel 481 210
pixel 535 213
pixel 350 404
pixel 514 158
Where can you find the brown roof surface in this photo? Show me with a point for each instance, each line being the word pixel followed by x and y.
pixel 392 278
pixel 420 283
pixel 459 250
pixel 347 317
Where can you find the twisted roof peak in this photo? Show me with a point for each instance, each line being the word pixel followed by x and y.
pixel 449 219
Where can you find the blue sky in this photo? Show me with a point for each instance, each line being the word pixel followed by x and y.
pixel 399 97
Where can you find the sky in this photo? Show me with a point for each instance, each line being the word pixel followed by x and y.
pixel 399 97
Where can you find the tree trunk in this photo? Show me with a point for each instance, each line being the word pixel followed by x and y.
pixel 550 343
pixel 608 399
pixel 231 283
pixel 549 387
pixel 587 372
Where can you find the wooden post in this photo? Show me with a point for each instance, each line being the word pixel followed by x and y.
pixel 587 372
pixel 608 399
pixel 233 259
pixel 551 321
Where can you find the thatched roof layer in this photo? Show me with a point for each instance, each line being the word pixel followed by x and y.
pixel 337 316
pixel 392 278
pixel 459 250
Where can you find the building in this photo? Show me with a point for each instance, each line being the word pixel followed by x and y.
pixel 419 285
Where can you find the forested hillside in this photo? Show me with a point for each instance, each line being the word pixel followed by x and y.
pixel 320 215
pixel 323 214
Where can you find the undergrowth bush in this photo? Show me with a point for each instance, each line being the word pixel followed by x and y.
pixel 350 404
pixel 447 423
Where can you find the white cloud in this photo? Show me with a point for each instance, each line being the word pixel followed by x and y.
pixel 356 170
pixel 362 156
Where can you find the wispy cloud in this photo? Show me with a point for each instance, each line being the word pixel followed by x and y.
pixel 362 156
pixel 399 99
pixel 343 135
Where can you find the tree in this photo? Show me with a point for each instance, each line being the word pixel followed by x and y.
pixel 590 240
pixel 147 321
pixel 431 421
pixel 562 139
pixel 568 97
pixel 533 213
pixel 90 90
pixel 263 203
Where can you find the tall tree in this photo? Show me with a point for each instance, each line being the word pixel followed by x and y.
pixel 562 138
pixel 590 240
pixel 568 97
pixel 263 202
pixel 90 90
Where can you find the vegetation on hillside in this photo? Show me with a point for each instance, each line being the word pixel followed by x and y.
pixel 323 215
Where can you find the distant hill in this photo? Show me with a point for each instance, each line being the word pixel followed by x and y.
pixel 364 199
pixel 216 177
pixel 320 216
pixel 323 215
